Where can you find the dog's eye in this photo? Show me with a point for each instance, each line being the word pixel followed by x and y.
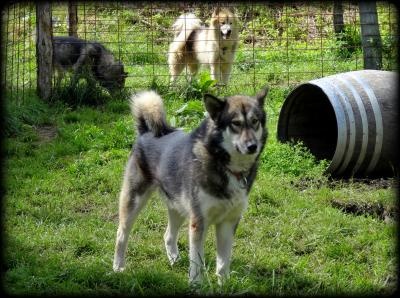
pixel 236 123
pixel 254 121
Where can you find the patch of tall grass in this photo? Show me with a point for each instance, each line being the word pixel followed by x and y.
pixel 20 115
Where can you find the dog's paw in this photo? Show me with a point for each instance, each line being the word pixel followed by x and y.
pixel 117 268
pixel 222 278
pixel 220 85
pixel 173 259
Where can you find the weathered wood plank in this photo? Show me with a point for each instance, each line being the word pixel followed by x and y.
pixel 370 35
pixel 72 19
pixel 338 22
pixel 44 49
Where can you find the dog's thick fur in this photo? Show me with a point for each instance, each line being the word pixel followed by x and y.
pixel 204 176
pixel 72 54
pixel 196 45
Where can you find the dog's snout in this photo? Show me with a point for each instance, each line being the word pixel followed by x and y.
pixel 226 30
pixel 251 148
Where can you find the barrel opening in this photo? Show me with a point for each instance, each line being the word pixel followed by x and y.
pixel 311 119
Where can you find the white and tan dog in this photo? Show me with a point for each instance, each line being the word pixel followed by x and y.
pixel 195 45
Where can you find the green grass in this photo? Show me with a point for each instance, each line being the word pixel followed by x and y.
pixel 60 216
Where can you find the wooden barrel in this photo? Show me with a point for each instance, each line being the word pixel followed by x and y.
pixel 350 119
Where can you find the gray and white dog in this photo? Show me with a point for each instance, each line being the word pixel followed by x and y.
pixel 71 53
pixel 204 176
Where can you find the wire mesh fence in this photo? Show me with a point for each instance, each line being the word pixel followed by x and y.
pixel 18 72
pixel 279 44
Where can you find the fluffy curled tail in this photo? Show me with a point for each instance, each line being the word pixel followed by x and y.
pixel 148 109
pixel 183 27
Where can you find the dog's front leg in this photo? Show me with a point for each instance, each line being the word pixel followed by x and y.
pixel 197 231
pixel 226 69
pixel 215 71
pixel 224 233
pixel 59 74
pixel 85 57
pixel 215 67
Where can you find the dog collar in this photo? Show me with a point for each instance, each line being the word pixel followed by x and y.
pixel 240 176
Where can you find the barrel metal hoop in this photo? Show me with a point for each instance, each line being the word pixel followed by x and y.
pixel 364 123
pixel 352 127
pixel 341 124
pixel 378 123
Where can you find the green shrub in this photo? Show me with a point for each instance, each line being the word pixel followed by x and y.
pixel 84 90
pixel 81 93
pixel 31 112
pixel 348 42
pixel 287 159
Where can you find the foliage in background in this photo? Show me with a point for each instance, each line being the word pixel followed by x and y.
pixel 348 42
pixel 281 43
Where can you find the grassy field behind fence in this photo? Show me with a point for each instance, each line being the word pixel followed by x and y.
pixel 303 232
pixel 281 45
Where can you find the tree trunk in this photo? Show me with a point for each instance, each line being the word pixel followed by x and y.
pixel 72 19
pixel 370 36
pixel 44 49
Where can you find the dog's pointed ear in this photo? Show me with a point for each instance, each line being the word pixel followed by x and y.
pixel 214 105
pixel 216 11
pixel 261 95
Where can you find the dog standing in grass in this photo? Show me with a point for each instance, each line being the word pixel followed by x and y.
pixel 204 176
pixel 71 53
pixel 214 46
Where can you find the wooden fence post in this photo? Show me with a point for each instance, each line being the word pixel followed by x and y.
pixel 338 23
pixel 72 19
pixel 370 36
pixel 44 49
